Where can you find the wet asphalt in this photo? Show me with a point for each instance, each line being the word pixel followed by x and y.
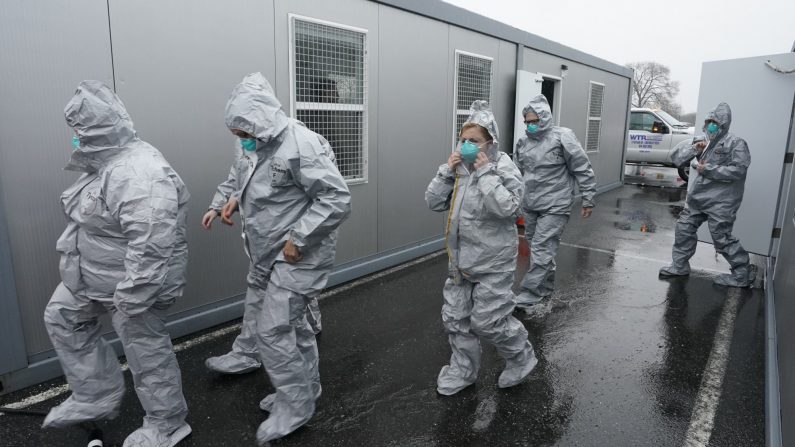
pixel 621 353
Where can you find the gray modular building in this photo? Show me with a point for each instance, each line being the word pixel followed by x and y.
pixel 387 82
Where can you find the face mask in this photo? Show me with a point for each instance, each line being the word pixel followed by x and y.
pixel 532 128
pixel 248 144
pixel 469 151
pixel 712 128
pixel 75 143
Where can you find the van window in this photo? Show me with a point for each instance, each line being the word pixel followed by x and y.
pixel 642 121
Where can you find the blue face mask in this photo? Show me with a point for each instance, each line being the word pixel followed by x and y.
pixel 469 151
pixel 75 143
pixel 712 128
pixel 248 144
pixel 532 128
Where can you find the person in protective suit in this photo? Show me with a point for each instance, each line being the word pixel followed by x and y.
pixel 124 253
pixel 292 199
pixel 718 168
pixel 551 161
pixel 482 190
pixel 244 356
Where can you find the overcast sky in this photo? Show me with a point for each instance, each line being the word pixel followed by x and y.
pixel 678 33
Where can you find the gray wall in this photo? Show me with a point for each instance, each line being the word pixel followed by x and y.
pixel 771 104
pixel 608 161
pixel 784 281
pixel 12 343
pixel 43 56
pixel 415 112
pixel 175 77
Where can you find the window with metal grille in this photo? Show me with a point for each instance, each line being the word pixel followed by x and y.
pixel 472 82
pixel 595 105
pixel 328 73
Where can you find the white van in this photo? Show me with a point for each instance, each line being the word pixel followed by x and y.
pixel 652 135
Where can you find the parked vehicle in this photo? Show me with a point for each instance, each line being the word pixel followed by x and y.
pixel 652 136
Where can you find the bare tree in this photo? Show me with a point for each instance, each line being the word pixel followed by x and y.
pixel 669 105
pixel 652 85
pixel 688 117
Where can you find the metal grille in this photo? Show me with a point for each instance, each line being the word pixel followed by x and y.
pixel 596 100
pixel 595 105
pixel 330 90
pixel 459 123
pixel 473 82
pixel 592 139
pixel 343 131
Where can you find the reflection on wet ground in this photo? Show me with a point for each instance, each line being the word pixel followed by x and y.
pixel 621 356
pixel 641 212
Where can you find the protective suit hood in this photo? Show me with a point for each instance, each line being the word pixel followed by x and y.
pixel 100 121
pixel 254 109
pixel 480 113
pixel 722 114
pixel 540 107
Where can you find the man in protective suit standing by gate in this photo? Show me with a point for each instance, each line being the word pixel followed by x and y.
pixel 718 166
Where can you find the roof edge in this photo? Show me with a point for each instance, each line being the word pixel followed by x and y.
pixel 455 15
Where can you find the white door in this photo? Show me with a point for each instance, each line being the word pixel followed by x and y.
pixel 528 85
pixel 761 101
